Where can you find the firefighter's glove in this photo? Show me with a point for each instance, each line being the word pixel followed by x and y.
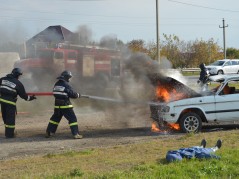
pixel 79 95
pixel 32 97
pixel 198 81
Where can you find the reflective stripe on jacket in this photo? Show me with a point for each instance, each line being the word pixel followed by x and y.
pixel 63 92
pixel 10 88
pixel 64 107
pixel 8 102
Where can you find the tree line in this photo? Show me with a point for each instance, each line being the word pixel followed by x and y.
pixel 184 54
pixel 181 53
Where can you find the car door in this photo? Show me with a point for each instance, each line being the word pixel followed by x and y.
pixel 227 107
pixel 206 104
pixel 234 66
pixel 227 67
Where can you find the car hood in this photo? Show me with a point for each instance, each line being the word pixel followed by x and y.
pixel 213 66
pixel 172 87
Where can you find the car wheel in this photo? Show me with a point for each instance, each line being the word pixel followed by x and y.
pixel 190 122
pixel 220 72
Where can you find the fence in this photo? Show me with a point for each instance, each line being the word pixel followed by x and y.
pixel 190 70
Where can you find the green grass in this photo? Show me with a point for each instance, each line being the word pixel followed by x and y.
pixel 145 159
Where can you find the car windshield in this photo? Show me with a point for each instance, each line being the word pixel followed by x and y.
pixel 217 63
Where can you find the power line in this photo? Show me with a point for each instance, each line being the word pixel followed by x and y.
pixel 3 18
pixel 7 18
pixel 74 14
pixel 205 7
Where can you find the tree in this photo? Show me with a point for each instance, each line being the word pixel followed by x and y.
pixel 137 46
pixel 170 47
pixel 182 54
pixel 232 53
pixel 189 54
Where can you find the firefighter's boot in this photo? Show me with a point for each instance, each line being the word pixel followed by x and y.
pixel 77 136
pixel 49 134
pixel 203 143
pixel 219 144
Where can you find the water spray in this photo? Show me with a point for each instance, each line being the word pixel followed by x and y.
pixel 100 98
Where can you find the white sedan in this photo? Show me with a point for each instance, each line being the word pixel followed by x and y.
pixel 211 107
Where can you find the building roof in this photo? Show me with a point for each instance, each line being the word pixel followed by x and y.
pixel 54 34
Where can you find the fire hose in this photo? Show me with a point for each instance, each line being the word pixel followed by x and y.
pixel 82 96
pixel 98 98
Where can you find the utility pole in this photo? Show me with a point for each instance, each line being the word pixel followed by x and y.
pixel 25 49
pixel 157 32
pixel 224 37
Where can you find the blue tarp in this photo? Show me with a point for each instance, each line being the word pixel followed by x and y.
pixel 191 152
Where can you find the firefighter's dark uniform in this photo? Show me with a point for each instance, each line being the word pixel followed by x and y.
pixel 10 87
pixel 203 78
pixel 63 92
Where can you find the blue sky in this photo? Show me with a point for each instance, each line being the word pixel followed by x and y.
pixel 126 19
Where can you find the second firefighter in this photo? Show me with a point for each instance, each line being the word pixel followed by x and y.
pixel 62 92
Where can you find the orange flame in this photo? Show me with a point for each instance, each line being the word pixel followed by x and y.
pixel 154 127
pixel 163 94
pixel 171 126
pixel 174 126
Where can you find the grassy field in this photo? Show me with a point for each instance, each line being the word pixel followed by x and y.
pixel 139 160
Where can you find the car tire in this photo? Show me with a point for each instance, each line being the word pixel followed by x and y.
pixel 220 72
pixel 190 122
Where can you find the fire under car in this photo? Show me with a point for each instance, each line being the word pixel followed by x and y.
pixel 179 104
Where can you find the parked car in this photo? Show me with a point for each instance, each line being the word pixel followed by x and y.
pixel 210 107
pixel 225 66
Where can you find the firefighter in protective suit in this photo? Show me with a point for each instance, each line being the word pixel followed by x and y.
pixel 62 92
pixel 10 88
pixel 204 77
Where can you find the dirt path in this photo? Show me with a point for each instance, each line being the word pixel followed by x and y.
pixel 100 129
pixel 38 145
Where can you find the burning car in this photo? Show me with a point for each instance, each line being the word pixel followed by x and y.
pixel 177 103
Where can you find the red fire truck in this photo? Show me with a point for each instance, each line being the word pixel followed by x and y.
pixel 88 64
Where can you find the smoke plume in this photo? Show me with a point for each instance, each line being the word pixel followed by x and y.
pixel 133 85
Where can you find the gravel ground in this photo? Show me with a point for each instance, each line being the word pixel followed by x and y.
pixel 101 128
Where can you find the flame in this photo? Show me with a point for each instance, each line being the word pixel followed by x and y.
pixel 163 94
pixel 174 126
pixel 171 126
pixel 154 127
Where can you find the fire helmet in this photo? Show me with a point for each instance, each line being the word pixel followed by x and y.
pixel 16 72
pixel 202 66
pixel 66 75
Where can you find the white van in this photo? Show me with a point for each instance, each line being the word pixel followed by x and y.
pixel 224 66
